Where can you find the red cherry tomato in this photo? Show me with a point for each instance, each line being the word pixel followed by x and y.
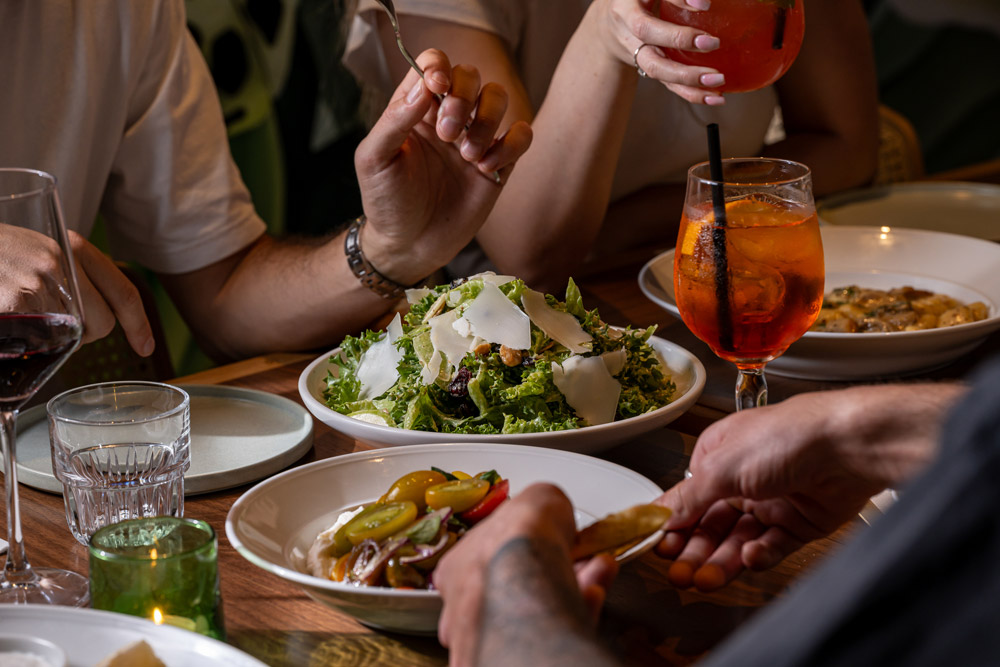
pixel 490 502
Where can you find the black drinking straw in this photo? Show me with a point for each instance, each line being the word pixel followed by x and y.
pixel 719 238
pixel 778 40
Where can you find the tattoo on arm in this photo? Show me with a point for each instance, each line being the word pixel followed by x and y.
pixel 533 613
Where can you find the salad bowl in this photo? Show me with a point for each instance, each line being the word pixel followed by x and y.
pixel 274 523
pixel 686 371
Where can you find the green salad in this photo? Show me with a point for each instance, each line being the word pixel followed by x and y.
pixel 491 356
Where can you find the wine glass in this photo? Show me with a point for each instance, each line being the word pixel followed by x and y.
pixel 749 279
pixel 759 39
pixel 40 326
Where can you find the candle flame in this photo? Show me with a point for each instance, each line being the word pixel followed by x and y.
pixel 157 616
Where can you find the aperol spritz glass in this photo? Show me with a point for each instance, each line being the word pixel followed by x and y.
pixel 40 326
pixel 759 39
pixel 749 283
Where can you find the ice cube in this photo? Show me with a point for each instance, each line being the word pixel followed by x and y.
pixel 757 291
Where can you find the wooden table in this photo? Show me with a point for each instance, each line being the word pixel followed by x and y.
pixel 645 622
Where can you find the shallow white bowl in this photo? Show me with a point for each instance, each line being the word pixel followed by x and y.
pixel 962 267
pixel 686 371
pixel 273 524
pixel 44 650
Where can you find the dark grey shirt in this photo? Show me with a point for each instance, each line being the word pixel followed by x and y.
pixel 921 586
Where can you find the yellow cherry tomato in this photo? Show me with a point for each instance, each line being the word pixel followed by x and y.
pixel 412 486
pixel 384 520
pixel 459 494
pixel 342 545
pixel 461 475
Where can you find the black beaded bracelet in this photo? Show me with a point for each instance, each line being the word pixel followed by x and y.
pixel 363 269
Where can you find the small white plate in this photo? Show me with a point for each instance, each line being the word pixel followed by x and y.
pixel 687 373
pixel 238 436
pixel 959 266
pixel 273 524
pixel 88 636
pixel 970 209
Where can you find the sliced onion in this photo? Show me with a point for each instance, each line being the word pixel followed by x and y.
pixel 371 559
pixel 425 551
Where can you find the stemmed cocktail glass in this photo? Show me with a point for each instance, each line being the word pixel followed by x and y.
pixel 748 266
pixel 40 326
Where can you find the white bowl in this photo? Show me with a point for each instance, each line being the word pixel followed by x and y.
pixel 686 371
pixel 962 267
pixel 45 652
pixel 273 524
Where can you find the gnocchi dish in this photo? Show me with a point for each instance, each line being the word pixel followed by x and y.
pixel 854 309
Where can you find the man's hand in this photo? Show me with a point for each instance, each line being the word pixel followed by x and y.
pixel 515 565
pixel 106 294
pixel 767 480
pixel 426 182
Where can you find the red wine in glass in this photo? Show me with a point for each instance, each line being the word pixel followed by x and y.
pixel 40 326
pixel 32 345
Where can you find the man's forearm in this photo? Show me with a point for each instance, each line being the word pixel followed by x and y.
pixel 276 296
pixel 533 613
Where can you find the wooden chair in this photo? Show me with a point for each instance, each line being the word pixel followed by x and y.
pixel 111 358
pixel 899 154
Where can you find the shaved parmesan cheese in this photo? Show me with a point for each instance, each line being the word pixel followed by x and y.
pixel 416 294
pixel 446 340
pixel 462 326
pixel 588 387
pixel 496 319
pixel 431 369
pixel 377 370
pixel 492 278
pixel 615 360
pixel 561 327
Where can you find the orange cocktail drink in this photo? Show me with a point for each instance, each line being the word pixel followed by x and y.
pixel 748 265
pixel 775 263
pixel 759 39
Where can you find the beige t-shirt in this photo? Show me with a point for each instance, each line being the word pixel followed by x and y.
pixel 113 98
pixel 666 134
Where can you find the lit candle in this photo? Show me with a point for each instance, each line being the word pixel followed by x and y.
pixel 178 621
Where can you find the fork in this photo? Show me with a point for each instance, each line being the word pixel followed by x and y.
pixel 390 10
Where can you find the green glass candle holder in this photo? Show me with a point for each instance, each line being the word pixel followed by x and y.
pixel 163 568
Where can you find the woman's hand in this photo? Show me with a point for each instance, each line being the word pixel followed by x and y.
pixel 624 26
pixel 426 181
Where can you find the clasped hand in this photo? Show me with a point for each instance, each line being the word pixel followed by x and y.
pixel 105 292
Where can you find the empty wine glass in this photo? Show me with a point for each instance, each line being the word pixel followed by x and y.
pixel 40 326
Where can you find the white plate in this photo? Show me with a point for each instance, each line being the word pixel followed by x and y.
pixel 88 636
pixel 686 371
pixel 273 524
pixel 238 436
pixel 971 209
pixel 959 266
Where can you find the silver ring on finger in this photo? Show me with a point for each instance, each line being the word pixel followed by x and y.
pixel 635 59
